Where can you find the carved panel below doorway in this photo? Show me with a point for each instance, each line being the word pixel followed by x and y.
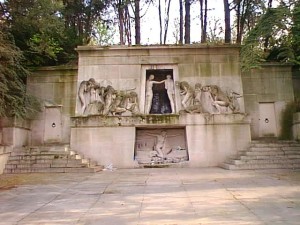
pixel 158 146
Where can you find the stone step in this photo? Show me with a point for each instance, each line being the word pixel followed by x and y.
pixel 269 153
pixel 283 148
pixel 43 159
pixel 250 157
pixel 40 157
pixel 45 165
pixel 259 166
pixel 49 161
pixel 54 170
pixel 266 155
pixel 264 161
pixel 26 153
pixel 275 145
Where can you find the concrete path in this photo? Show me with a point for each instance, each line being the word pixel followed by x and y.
pixel 169 196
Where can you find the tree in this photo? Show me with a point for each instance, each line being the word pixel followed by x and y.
pixel 295 32
pixel 227 22
pixel 36 28
pixel 187 24
pixel 167 16
pixel 274 24
pixel 122 12
pixel 14 101
pixel 247 12
pixel 164 15
pixel 180 22
pixel 160 22
pixel 203 20
pixel 137 22
pixel 80 15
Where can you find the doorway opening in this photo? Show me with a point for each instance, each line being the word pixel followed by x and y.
pixel 160 101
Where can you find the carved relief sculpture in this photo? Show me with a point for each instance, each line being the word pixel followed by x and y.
pixel 84 93
pixel 161 146
pixel 99 100
pixel 188 94
pixel 208 99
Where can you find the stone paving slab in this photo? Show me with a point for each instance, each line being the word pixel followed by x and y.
pixel 165 196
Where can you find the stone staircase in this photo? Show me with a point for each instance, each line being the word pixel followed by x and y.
pixel 266 155
pixel 48 159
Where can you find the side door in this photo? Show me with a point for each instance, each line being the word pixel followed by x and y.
pixel 267 120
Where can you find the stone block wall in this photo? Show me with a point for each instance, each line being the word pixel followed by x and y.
pixel 272 83
pixel 14 132
pixel 55 87
pixel 296 126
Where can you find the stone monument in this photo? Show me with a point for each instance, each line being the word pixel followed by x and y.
pixel 159 105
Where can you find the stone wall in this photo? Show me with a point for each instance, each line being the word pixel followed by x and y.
pixel 296 126
pixel 271 84
pixel 55 87
pixel 14 132
pixel 210 139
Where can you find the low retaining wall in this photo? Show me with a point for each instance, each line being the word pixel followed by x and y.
pixel 210 139
pixel 4 154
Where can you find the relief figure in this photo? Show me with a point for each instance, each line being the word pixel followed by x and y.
pixel 149 92
pixel 84 93
pixel 169 86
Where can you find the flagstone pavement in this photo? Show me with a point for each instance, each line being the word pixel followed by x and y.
pixel 155 196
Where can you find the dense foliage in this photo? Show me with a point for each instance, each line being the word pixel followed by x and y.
pixel 14 101
pixel 275 37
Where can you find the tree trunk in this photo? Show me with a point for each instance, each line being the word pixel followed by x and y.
pixel 167 21
pixel 205 21
pixel 137 20
pixel 121 22
pixel 127 24
pixel 203 18
pixel 238 23
pixel 227 22
pixel 270 3
pixel 160 22
pixel 267 38
pixel 187 35
pixel 180 22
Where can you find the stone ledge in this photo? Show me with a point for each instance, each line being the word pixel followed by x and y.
pixel 159 120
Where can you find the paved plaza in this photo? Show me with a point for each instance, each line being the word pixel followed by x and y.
pixel 155 196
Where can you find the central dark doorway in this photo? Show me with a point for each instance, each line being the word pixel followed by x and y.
pixel 160 102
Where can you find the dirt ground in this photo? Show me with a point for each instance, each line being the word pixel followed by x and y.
pixel 8 181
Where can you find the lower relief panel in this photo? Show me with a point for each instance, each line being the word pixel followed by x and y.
pixel 158 146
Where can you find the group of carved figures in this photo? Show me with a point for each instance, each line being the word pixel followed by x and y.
pixel 105 100
pixel 208 99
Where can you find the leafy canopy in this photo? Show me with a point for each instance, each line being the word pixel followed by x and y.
pixel 14 101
